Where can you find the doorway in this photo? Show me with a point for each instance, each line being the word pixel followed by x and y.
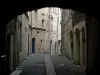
pixel 77 46
pixel 33 45
pixel 83 45
pixel 7 65
pixel 71 42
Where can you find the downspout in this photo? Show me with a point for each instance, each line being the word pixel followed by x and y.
pixel 57 31
pixel 49 30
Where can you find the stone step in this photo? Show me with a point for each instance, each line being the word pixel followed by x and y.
pixel 16 72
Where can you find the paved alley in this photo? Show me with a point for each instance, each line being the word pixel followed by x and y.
pixel 45 64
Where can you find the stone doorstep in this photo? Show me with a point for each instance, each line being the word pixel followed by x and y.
pixel 26 58
pixel 83 68
pixel 61 54
pixel 16 72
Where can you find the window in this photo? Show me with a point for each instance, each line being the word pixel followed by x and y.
pixel 35 10
pixel 71 44
pixel 42 22
pixel 37 32
pixel 43 14
pixel 59 41
pixel 41 40
pixel 51 27
pixel 51 17
pixel 20 25
pixel 58 19
pixel 54 10
pixel 72 12
pixel 68 12
pixel 25 29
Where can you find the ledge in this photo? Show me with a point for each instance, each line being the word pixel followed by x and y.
pixel 38 28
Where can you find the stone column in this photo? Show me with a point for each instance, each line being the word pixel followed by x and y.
pixel 81 50
pixel 11 54
pixel 74 48
pixel 85 48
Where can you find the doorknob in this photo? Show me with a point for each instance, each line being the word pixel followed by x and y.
pixel 3 56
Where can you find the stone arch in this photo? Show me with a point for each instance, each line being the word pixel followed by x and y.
pixel 83 46
pixel 77 44
pixel 71 42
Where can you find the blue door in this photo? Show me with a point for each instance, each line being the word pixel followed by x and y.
pixel 33 45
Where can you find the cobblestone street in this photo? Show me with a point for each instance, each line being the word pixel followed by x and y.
pixel 45 64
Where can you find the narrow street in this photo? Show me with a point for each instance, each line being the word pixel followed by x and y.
pixel 50 41
pixel 46 64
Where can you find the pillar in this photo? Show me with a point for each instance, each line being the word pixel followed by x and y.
pixel 11 54
pixel 74 48
pixel 84 46
pixel 77 46
pixel 81 50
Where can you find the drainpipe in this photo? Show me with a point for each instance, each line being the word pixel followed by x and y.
pixel 57 31
pixel 49 30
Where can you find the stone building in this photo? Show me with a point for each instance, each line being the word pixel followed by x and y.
pixel 40 30
pixel 74 36
pixel 59 32
pixel 46 31
pixel 17 41
pixel 79 44
pixel 80 35
pixel 26 37
pixel 55 30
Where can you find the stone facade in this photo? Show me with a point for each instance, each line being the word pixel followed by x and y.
pixel 59 33
pixel 24 38
pixel 17 40
pixel 39 35
pixel 49 29
pixel 55 30
pixel 40 23
pixel 74 36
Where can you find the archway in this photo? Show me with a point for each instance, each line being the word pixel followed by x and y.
pixel 89 26
pixel 71 42
pixel 77 46
pixel 83 46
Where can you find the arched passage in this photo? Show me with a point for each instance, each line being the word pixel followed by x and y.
pixel 77 33
pixel 89 26
pixel 83 46
pixel 71 42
